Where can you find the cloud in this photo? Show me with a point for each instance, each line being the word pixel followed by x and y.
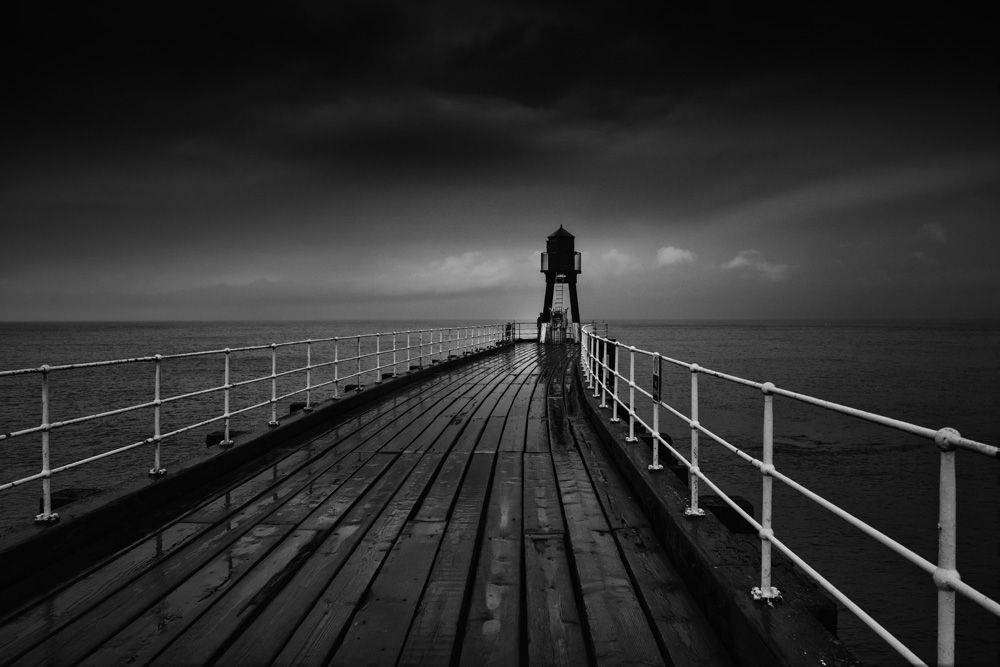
pixel 750 260
pixel 671 255
pixel 618 262
pixel 468 271
pixel 931 231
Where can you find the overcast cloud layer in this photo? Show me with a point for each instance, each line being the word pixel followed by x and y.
pixel 407 159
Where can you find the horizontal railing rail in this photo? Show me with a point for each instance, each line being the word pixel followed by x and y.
pixel 355 358
pixel 601 359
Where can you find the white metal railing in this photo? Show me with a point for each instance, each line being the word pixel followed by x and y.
pixel 524 330
pixel 600 362
pixel 380 360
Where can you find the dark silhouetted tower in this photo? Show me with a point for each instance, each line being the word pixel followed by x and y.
pixel 560 264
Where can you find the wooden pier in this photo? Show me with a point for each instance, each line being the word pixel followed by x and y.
pixel 469 518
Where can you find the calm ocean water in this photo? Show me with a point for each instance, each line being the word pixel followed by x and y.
pixel 931 373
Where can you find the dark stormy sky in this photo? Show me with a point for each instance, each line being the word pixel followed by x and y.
pixel 197 160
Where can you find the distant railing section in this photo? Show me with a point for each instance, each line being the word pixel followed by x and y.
pixel 600 361
pixel 525 330
pixel 376 355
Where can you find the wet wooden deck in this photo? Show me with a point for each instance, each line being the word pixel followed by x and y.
pixel 469 519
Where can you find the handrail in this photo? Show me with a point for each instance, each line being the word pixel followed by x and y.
pixel 600 363
pixel 371 357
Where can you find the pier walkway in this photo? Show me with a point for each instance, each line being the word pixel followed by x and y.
pixel 469 518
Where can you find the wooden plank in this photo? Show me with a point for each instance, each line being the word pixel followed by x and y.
pixel 490 397
pixel 449 436
pixel 423 432
pixel 403 437
pixel 212 630
pixel 537 429
pixel 620 507
pixel 619 630
pixel 555 635
pixel 542 507
pixel 514 433
pixel 680 625
pixel 679 622
pixel 330 511
pixel 234 498
pixel 436 505
pixel 331 493
pixel 513 437
pixel 322 628
pixel 536 435
pixel 434 630
pixel 385 428
pixel 32 625
pixel 168 618
pixel 261 641
pixel 489 441
pixel 369 437
pixel 378 629
pixel 88 632
pixel 506 398
pixel 492 635
pixel 470 436
pixel 128 601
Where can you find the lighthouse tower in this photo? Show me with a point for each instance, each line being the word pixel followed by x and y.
pixel 560 264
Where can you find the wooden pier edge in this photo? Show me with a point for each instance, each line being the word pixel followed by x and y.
pixel 721 567
pixel 145 501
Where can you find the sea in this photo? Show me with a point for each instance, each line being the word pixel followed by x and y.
pixel 930 373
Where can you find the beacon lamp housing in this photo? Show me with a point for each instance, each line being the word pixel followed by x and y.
pixel 561 263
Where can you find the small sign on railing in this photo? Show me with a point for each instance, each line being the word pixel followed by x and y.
pixel 656 378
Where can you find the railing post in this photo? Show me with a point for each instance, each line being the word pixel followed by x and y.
pixel 946 571
pixel 308 407
pixel 394 353
pixel 408 351
pixel 631 395
pixel 597 367
pixel 693 509
pixel 156 470
pixel 657 381
pixel 378 358
pixel 592 360
pixel 47 515
pixel 604 375
pixel 226 441
pixel 336 367
pixel 614 401
pixel 766 590
pixel 274 385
